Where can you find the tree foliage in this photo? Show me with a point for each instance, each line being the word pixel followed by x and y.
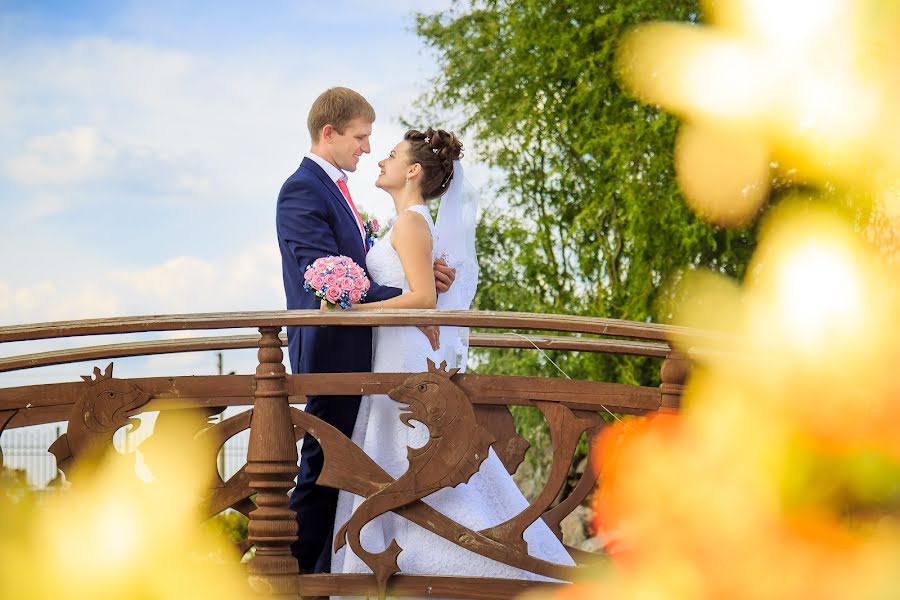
pixel 586 218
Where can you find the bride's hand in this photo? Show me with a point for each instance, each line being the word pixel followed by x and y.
pixel 433 333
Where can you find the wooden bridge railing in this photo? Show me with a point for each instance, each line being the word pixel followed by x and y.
pixel 97 406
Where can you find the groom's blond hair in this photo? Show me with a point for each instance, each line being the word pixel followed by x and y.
pixel 337 107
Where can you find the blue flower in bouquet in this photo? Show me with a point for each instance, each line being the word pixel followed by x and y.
pixel 374 231
pixel 337 280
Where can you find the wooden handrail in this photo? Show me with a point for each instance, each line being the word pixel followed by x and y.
pixel 484 319
pixel 201 391
pixel 235 342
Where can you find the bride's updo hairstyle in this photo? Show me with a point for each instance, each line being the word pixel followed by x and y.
pixel 435 150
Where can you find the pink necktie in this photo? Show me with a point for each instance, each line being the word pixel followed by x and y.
pixel 343 186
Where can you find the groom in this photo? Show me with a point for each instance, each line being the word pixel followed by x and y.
pixel 315 217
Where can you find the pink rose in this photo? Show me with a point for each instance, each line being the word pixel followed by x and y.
pixel 367 284
pixel 333 294
pixel 309 274
pixel 346 284
pixel 355 296
pixel 360 284
pixel 375 226
pixel 317 282
pixel 339 270
pixel 331 279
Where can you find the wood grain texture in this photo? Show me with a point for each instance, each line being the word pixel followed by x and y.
pixel 674 373
pixel 347 467
pixel 585 485
pixel 237 320
pixel 271 465
pixel 420 586
pixel 566 428
pixel 49 403
pixel 235 342
pixel 5 417
pixel 509 445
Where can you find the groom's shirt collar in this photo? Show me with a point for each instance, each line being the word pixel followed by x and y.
pixel 330 170
pixel 336 174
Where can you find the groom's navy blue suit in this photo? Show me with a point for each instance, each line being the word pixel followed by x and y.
pixel 313 220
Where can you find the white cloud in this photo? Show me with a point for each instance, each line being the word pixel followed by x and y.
pixel 249 279
pixel 70 156
pixel 139 176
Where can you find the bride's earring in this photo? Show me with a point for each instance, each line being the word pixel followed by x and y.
pixel 407 180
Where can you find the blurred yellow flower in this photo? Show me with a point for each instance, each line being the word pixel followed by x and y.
pixel 114 536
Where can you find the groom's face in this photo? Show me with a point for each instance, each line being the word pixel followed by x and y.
pixel 347 147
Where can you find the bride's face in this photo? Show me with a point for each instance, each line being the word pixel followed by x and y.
pixel 395 168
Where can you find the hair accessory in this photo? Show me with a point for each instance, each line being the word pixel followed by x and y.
pixel 434 150
pixel 428 140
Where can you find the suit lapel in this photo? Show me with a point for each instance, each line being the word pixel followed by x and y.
pixel 326 181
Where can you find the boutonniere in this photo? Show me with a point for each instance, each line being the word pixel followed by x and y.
pixel 374 230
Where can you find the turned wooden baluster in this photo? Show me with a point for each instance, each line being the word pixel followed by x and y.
pixel 673 373
pixel 272 466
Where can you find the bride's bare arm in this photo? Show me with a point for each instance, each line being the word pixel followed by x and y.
pixel 411 238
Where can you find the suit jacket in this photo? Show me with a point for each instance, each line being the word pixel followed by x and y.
pixel 312 220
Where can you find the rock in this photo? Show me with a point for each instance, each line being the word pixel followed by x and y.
pixel 525 479
pixel 575 526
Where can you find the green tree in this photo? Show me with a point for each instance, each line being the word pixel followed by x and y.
pixel 586 217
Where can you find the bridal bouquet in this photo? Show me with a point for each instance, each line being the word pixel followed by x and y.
pixel 337 280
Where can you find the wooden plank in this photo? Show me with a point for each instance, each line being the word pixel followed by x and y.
pixel 41 416
pixel 422 586
pixel 43 395
pixel 570 343
pixel 489 389
pixel 168 392
pixel 487 319
pixel 233 342
pixel 109 351
pixel 205 391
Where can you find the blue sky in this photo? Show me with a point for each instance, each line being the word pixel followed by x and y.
pixel 142 146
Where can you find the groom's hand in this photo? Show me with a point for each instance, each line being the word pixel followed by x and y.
pixel 433 333
pixel 444 276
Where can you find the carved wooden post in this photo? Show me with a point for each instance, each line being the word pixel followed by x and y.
pixel 272 466
pixel 673 373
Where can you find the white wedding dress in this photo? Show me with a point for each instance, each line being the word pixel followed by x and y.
pixel 490 497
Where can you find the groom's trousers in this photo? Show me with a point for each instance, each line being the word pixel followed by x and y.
pixel 315 505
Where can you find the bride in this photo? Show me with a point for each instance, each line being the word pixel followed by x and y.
pixel 425 166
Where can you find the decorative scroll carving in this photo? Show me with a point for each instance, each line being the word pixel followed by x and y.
pixel 565 430
pixel 586 483
pixel 456 448
pixel 348 468
pixel 509 445
pixel 5 417
pixel 106 405
pixel 231 493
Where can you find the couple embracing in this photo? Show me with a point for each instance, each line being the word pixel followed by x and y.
pixel 316 217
